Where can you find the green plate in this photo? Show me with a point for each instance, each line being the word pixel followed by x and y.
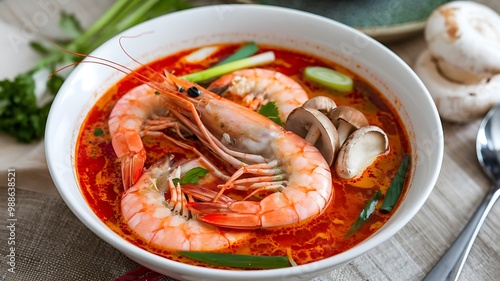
pixel 384 20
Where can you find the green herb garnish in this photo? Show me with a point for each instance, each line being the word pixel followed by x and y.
pixel 365 213
pixel 98 132
pixel 396 187
pixel 193 175
pixel 271 111
pixel 176 181
pixel 240 261
pixel 20 115
pixel 70 25
pixel 243 52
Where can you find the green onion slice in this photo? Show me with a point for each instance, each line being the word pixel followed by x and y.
pixel 396 187
pixel 244 52
pixel 365 213
pixel 241 261
pixel 219 70
pixel 329 78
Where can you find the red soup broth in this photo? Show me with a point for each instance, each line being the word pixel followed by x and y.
pixel 99 173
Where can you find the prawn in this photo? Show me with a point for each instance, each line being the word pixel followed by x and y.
pixel 265 158
pixel 257 86
pixel 137 113
pixel 140 111
pixel 167 223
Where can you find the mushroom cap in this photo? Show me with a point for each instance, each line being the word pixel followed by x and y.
pixel 302 120
pixel 457 102
pixel 464 38
pixel 360 150
pixel 321 103
pixel 348 114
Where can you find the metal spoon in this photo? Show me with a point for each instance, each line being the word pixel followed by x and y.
pixel 488 154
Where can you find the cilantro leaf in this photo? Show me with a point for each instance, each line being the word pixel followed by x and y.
pixel 193 175
pixel 271 111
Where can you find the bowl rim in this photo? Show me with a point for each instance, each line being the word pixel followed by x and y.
pixel 141 256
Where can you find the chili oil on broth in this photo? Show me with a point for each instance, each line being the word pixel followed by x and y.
pixel 99 173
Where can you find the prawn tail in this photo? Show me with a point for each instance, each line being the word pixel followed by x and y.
pixel 238 215
pixel 232 220
pixel 132 168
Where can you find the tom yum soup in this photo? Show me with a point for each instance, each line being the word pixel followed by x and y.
pixel 251 156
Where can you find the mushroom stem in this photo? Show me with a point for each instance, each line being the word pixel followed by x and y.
pixel 314 127
pixel 313 134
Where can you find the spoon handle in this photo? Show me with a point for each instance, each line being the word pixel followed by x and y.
pixel 451 263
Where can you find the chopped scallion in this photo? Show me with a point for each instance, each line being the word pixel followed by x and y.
pixel 201 54
pixel 329 78
pixel 219 70
pixel 365 213
pixel 396 187
pixel 243 52
pixel 240 261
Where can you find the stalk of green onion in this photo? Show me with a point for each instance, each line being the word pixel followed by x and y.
pixel 365 213
pixel 240 261
pixel 396 187
pixel 243 52
pixel 219 70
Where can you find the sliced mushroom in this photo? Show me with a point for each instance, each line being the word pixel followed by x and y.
pixel 321 103
pixel 347 119
pixel 316 128
pixel 360 151
pixel 464 39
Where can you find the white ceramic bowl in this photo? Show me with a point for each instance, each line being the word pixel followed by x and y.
pixel 262 24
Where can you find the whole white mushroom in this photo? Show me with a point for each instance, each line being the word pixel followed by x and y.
pixel 461 67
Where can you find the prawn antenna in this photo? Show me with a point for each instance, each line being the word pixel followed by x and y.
pixel 114 65
pixel 156 74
